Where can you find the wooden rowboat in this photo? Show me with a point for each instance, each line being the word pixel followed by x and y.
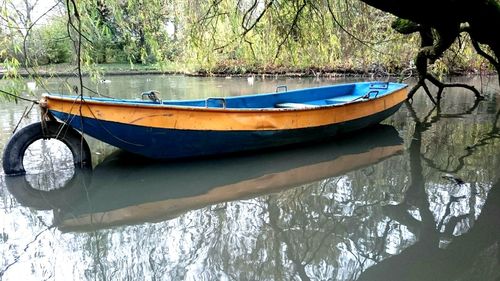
pixel 169 129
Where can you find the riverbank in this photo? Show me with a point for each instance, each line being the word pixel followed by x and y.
pixel 69 70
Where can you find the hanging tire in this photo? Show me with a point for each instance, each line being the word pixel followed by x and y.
pixel 16 147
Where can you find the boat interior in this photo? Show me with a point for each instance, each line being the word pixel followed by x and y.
pixel 282 98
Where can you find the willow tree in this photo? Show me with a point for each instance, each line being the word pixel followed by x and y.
pixel 308 36
pixel 439 23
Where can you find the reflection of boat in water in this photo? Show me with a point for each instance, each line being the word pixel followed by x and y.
pixel 125 191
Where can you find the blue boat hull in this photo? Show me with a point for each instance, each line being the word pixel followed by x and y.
pixel 163 143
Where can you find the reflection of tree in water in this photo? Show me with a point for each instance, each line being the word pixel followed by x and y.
pixel 461 202
pixel 428 259
pixel 361 229
pixel 371 224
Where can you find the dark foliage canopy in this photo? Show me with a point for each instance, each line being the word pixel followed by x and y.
pixel 440 23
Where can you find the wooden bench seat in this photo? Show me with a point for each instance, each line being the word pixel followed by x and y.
pixel 343 99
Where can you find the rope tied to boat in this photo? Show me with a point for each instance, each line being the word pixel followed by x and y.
pixel 44 110
pixel 16 97
pixel 45 115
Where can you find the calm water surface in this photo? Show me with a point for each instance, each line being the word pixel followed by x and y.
pixel 417 198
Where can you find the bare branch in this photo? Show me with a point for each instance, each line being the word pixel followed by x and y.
pixel 246 16
pixel 246 30
pixel 365 43
pixel 481 52
pixel 292 27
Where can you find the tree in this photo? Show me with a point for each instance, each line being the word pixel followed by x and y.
pixel 440 23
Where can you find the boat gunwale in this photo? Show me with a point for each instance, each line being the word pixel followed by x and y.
pixel 134 104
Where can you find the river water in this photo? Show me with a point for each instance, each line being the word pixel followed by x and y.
pixel 417 198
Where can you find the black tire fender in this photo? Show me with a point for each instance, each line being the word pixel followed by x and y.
pixel 13 154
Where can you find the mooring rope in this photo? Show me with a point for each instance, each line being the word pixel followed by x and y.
pixel 26 111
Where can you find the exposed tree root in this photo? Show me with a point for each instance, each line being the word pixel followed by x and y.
pixel 433 43
pixel 441 86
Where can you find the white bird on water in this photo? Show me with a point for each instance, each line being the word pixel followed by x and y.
pixel 104 81
pixel 251 79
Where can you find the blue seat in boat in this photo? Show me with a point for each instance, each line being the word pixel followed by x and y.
pixel 295 105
